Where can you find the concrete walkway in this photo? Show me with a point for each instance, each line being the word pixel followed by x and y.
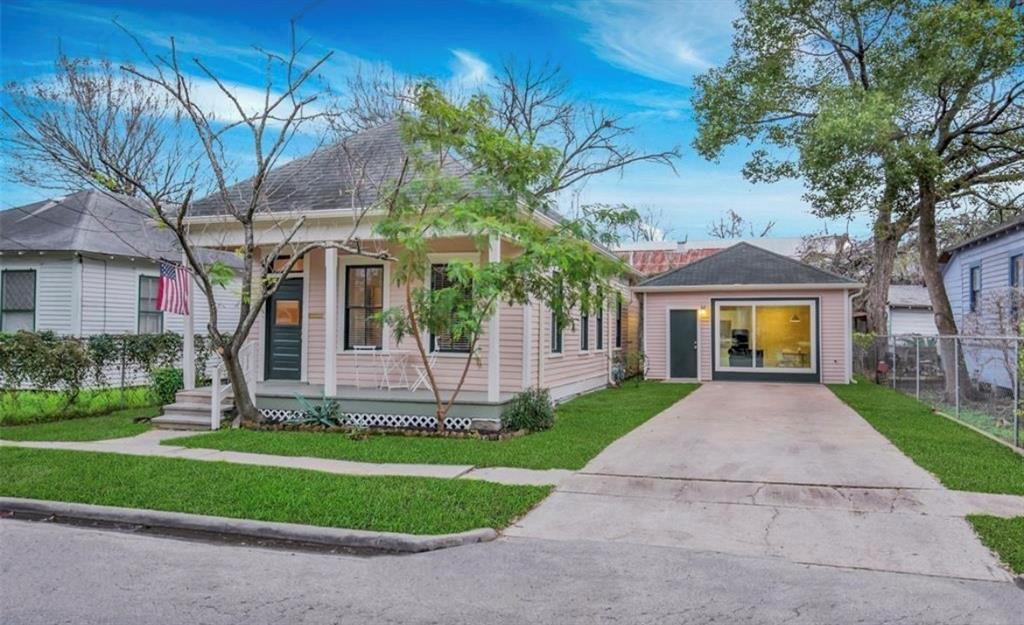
pixel 784 471
pixel 148 444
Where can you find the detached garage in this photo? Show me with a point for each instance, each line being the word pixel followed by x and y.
pixel 745 313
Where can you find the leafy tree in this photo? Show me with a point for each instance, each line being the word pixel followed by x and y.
pixel 786 89
pixel 465 176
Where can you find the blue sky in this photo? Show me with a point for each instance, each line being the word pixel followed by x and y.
pixel 636 58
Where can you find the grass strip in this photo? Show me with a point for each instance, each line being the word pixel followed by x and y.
pixel 959 457
pixel 119 424
pixel 583 427
pixel 1003 536
pixel 413 505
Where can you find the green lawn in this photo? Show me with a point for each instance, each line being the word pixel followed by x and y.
pixel 961 458
pixel 395 504
pixel 1004 536
pixel 584 426
pixel 117 424
pixel 23 407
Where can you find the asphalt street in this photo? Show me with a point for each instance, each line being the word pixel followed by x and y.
pixel 64 574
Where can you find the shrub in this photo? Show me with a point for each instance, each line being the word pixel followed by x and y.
pixel 628 365
pixel 44 360
pixel 166 382
pixel 529 410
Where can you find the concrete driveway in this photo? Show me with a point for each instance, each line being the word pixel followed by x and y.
pixel 778 470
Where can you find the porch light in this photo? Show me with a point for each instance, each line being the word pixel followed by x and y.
pixel 703 312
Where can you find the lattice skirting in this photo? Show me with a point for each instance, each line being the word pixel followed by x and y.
pixel 374 420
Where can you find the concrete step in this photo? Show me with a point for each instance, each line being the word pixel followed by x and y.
pixel 174 421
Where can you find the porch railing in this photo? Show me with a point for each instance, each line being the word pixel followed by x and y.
pixel 984 391
pixel 248 359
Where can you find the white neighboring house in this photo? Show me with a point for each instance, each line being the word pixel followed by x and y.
pixel 910 311
pixel 88 264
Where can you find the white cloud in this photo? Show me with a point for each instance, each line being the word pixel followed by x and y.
pixel 469 71
pixel 667 41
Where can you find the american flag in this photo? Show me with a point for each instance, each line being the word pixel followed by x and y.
pixel 172 290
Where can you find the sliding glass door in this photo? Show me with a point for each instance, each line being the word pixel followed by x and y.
pixel 766 336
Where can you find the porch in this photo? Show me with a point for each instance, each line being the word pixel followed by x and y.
pixel 382 407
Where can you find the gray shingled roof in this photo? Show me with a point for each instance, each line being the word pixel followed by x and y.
pixel 909 296
pixel 345 175
pixel 92 222
pixel 744 263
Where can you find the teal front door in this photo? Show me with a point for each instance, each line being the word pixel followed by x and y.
pixel 683 343
pixel 284 332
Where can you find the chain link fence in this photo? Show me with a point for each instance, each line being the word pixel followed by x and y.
pixel 982 391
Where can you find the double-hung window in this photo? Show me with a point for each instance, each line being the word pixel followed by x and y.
pixel 446 341
pixel 975 293
pixel 151 320
pixel 556 334
pixel 18 300
pixel 584 333
pixel 600 328
pixel 1016 274
pixel 364 301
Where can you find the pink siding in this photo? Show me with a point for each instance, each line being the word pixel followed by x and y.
pixel 832 344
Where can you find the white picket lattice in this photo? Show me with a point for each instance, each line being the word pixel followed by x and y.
pixel 375 420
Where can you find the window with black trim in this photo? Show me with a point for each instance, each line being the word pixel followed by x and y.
pixel 445 342
pixel 600 328
pixel 151 320
pixel 556 334
pixel 364 300
pixel 18 300
pixel 618 324
pixel 584 332
pixel 975 293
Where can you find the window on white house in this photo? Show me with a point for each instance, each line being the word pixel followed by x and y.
pixel 975 288
pixel 446 342
pixel 364 300
pixel 151 320
pixel 18 300
pixel 584 332
pixel 600 328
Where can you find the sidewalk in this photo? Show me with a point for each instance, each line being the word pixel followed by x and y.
pixel 148 444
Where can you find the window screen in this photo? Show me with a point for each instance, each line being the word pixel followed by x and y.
pixel 18 300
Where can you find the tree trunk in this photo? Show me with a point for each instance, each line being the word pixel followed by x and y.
pixel 875 298
pixel 945 322
pixel 244 406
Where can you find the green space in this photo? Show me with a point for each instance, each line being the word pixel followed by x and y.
pixel 1003 536
pixel 395 504
pixel 959 457
pixel 23 407
pixel 118 424
pixel 583 427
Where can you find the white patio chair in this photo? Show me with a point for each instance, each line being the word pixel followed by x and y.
pixel 422 379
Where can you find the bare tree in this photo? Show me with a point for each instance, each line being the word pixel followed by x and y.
pixel 732 225
pixel 532 103
pixel 140 158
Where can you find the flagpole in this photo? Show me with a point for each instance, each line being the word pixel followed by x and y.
pixel 188 347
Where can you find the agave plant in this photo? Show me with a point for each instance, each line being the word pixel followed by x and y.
pixel 326 412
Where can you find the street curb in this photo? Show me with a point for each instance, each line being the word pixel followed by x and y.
pixel 266 530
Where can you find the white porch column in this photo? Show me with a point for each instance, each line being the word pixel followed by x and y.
pixel 188 346
pixel 494 333
pixel 330 321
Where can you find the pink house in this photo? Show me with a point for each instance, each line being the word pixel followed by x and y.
pixel 740 313
pixel 318 335
pixel 745 313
